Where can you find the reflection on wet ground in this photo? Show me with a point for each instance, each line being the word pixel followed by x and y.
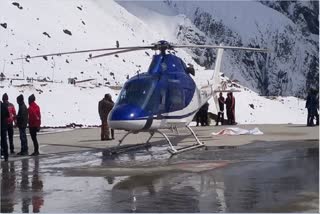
pixel 260 177
pixel 20 181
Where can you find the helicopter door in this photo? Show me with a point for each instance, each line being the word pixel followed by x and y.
pixel 162 103
pixel 175 97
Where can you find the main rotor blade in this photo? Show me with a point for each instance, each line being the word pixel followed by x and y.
pixel 224 47
pixel 118 52
pixel 86 51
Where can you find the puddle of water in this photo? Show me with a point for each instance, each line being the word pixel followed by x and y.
pixel 266 184
pixel 195 167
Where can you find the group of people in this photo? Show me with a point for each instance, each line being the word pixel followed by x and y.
pixel 202 115
pixel 229 102
pixel 230 108
pixel 312 104
pixel 104 107
pixel 25 116
pixel 31 116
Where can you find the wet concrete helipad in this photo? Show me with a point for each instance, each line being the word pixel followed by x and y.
pixel 259 177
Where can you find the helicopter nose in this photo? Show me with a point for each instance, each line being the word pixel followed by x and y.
pixel 128 125
pixel 127 117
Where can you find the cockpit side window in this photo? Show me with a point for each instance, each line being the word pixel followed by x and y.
pixel 175 97
pixel 153 102
pixel 137 92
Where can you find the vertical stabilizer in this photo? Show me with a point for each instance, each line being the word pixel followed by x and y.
pixel 216 81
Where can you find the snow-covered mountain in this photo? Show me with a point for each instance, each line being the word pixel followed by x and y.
pixel 290 29
pixel 36 27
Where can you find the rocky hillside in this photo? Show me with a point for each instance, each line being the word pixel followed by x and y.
pixel 288 28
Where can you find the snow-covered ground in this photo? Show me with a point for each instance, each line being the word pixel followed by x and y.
pixel 63 104
pixel 37 27
pixel 254 109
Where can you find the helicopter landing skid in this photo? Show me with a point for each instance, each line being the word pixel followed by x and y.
pixel 174 151
pixel 130 132
pixel 171 148
pixel 122 149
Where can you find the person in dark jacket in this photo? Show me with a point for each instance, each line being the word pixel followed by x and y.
pixel 233 108
pixel 202 115
pixel 228 103
pixel 4 124
pixel 11 119
pixel 198 117
pixel 230 107
pixel 34 122
pixel 308 107
pixel 111 101
pixel 22 121
pixel 221 109
pixel 317 106
pixel 312 106
pixel 104 108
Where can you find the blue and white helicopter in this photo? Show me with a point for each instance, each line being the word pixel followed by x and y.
pixel 164 97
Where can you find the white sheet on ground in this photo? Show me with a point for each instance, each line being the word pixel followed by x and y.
pixel 238 131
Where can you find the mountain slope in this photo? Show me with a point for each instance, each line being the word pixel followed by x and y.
pixel 36 27
pixel 290 69
pixel 55 26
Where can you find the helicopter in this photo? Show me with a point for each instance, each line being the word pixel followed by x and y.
pixel 164 97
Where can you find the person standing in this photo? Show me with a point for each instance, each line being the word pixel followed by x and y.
pixel 34 122
pixel 233 113
pixel 12 117
pixel 204 114
pixel 221 109
pixel 4 124
pixel 317 108
pixel 312 106
pixel 111 101
pixel 104 107
pixel 22 121
pixel 198 117
pixel 228 103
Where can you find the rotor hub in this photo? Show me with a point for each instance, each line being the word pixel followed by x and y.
pixel 162 46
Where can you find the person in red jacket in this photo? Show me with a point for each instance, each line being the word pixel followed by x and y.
pixel 34 122
pixel 11 119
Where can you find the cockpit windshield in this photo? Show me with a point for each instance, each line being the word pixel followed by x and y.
pixel 137 92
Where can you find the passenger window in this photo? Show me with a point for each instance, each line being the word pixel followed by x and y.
pixel 175 97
